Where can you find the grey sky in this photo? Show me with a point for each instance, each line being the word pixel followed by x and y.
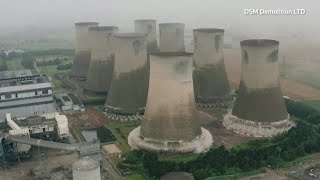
pixel 194 13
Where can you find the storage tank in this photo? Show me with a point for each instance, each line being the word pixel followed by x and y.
pixel 102 59
pixel 171 37
pixel 148 26
pixel 259 109
pixel 170 122
pixel 82 49
pixel 129 86
pixel 86 168
pixel 211 85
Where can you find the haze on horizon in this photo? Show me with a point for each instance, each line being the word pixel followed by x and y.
pixel 62 14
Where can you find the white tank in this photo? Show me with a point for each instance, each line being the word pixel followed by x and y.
pixel 85 169
pixel 171 37
pixel 148 26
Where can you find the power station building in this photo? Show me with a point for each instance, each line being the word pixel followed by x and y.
pixel 171 37
pixel 149 27
pixel 102 59
pixel 24 94
pixel 259 109
pixel 129 86
pixel 170 122
pixel 82 49
pixel 211 85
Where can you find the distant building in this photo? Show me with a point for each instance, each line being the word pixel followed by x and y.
pixel 24 94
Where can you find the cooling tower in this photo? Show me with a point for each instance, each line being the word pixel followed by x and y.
pixel 149 27
pixel 259 109
pixel 170 121
pixel 82 49
pixel 211 85
pixel 129 86
pixel 171 37
pixel 102 59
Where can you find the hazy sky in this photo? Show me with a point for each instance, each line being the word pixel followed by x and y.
pixel 194 13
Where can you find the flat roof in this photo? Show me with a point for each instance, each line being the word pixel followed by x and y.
pixel 15 74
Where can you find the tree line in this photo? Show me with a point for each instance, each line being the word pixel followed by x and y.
pixel 300 140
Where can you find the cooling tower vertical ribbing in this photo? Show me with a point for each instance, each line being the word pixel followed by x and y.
pixel 82 49
pixel 102 59
pixel 259 109
pixel 211 85
pixel 171 37
pixel 129 86
pixel 170 121
pixel 149 27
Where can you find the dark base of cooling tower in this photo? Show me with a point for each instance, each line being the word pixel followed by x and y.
pixel 128 92
pixel 265 105
pixel 95 93
pixel 211 85
pixel 200 144
pixel 214 101
pixel 256 129
pixel 81 64
pixel 99 76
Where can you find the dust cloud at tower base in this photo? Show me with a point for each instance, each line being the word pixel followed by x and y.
pixel 210 79
pixel 170 123
pixel 259 109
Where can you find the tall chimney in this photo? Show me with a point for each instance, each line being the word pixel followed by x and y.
pixel 149 27
pixel 211 85
pixel 171 37
pixel 82 49
pixel 129 86
pixel 170 121
pixel 102 59
pixel 259 109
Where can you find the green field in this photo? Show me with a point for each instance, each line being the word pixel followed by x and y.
pixel 51 70
pixel 313 103
pixel 14 64
pixel 121 131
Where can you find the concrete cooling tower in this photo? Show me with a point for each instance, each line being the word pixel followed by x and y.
pixel 259 109
pixel 170 121
pixel 148 26
pixel 211 85
pixel 129 86
pixel 171 37
pixel 102 59
pixel 82 49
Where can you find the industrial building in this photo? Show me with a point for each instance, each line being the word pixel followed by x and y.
pixel 259 109
pixel 170 122
pixel 148 26
pixel 102 59
pixel 211 85
pixel 25 94
pixel 171 37
pixel 82 49
pixel 86 168
pixel 129 86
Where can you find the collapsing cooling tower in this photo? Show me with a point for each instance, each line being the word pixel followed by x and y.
pixel 170 120
pixel 102 59
pixel 171 37
pixel 259 109
pixel 149 27
pixel 211 85
pixel 129 86
pixel 82 49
